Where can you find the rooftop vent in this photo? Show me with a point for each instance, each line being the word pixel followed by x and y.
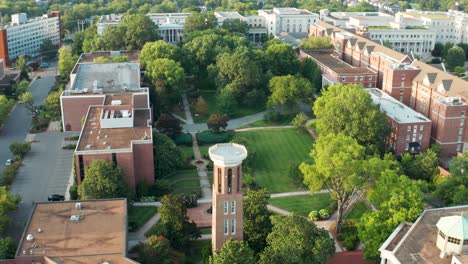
pixel 39 230
pixel 116 102
pixel 75 218
pixel 30 237
pixel 88 146
pixel 78 206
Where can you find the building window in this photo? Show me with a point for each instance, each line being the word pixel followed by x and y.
pixel 406 146
pixel 355 78
pixel 229 178
pixel 226 227
pixel 226 204
pixel 343 79
pixel 233 207
pixel 442 234
pixel 370 78
pixel 114 159
pixel 219 180
pixel 361 78
pixel 420 136
pixel 453 240
pixel 462 122
pixel 402 84
pixel 462 113
pixel 459 139
pixel 233 226
pixel 409 128
pixel 407 137
pixel 421 127
pixel 458 148
pixel 460 131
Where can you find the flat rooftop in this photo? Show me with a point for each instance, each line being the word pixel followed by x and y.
pixel 107 76
pixel 229 15
pixel 394 108
pixel 102 229
pixel 418 245
pixel 111 18
pixel 228 152
pixel 330 60
pixel 95 259
pixel 89 57
pixel 431 15
pixel 93 137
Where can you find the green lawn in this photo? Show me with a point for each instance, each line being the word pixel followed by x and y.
pixel 210 98
pixel 357 211
pixel 264 123
pixel 205 230
pixel 184 182
pixel 302 205
pixel 275 150
pixel 139 215
pixel 187 152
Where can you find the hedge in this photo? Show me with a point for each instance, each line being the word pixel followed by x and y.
pixel 208 137
pixel 183 139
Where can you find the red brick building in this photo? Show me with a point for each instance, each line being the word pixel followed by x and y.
pixel 435 94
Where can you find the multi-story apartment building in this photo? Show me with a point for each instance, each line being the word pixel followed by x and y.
pixel 23 36
pixel 436 94
pixel 410 130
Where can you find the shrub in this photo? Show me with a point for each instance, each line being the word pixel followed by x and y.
pixel 183 139
pixel 190 200
pixel 69 146
pixel 350 242
pixel 73 192
pixel 186 166
pixel 299 120
pixel 435 60
pixel 324 214
pixel 208 137
pixel 9 174
pixel 20 148
pixel 314 215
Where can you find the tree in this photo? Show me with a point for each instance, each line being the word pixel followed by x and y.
pixel 20 149
pixel 52 105
pixel 22 67
pixel 158 50
pixel 311 71
pixel 338 162
pixel 316 43
pixel 453 190
pixel 91 39
pixel 216 122
pixel 8 204
pixel 424 167
pixel 293 239
pixel 201 106
pixel 257 223
pixel 281 59
pixel 103 179
pixel 169 125
pixel 438 48
pixel 174 223
pixel 5 107
pixel 167 157
pixel 156 247
pixel 455 57
pixel 234 252
pixel 21 87
pixel 77 45
pixel 168 77
pixel 299 120
pixel 66 61
pixel 7 248
pixel 198 22
pixel 446 48
pixel 47 49
pixel 139 29
pixel 349 109
pixel 236 26
pixel 288 90
pixel 113 38
pixel 398 199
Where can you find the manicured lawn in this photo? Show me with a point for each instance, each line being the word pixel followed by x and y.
pixel 139 215
pixel 302 205
pixel 205 230
pixel 357 211
pixel 263 123
pixel 210 98
pixel 275 150
pixel 185 182
pixel 187 152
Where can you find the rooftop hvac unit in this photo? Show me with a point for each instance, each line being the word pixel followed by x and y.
pixel 78 206
pixel 30 237
pixel 75 218
pixel 116 102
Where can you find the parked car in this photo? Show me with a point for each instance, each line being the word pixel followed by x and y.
pixel 55 198
pixel 9 162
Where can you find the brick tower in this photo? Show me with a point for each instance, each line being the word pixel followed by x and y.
pixel 227 222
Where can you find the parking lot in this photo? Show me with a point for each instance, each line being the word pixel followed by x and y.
pixel 46 170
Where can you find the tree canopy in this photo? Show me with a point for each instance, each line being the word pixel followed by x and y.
pixel 288 90
pixel 315 43
pixel 236 26
pixel 8 203
pixel 349 109
pixel 156 247
pixel 5 107
pixel 235 252
pixel 158 50
pixel 103 179
pixel 169 125
pixel 455 57
pixel 453 190
pixel 139 29
pixel 257 223
pixel 66 61
pixel 167 157
pixel 281 59
pixel 295 240
pixel 199 21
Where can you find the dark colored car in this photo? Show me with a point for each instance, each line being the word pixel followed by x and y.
pixel 56 198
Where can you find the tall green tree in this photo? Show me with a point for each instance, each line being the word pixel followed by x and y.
pixel 5 107
pixel 338 167
pixel 103 179
pixel 19 148
pixel 453 190
pixel 158 50
pixel 66 61
pixel 349 109
pixel 295 240
pixel 174 223
pixel 168 78
pixel 167 157
pixel 257 223
pixel 288 90
pixel 23 67
pixel 281 59
pixel 139 29
pixel 455 57
pixel 199 21
pixel 8 203
pixel 113 38
pixel 236 26
pixel 77 45
pixel 7 248
pixel 235 252
pixel 438 48
pixel 156 248
pixel 398 199
pixel 311 71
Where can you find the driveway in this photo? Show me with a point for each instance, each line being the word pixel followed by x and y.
pixel 46 171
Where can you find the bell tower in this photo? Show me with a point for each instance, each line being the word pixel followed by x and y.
pixel 227 215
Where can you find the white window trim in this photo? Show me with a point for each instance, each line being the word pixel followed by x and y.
pixel 233 226
pixel 233 207
pixel 226 207
pixel 226 227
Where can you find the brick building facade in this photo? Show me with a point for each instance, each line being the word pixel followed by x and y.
pixel 435 94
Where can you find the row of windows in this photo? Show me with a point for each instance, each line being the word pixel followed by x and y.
pixel 226 207
pixel 421 128
pixel 226 227
pixel 414 137
pixel 229 180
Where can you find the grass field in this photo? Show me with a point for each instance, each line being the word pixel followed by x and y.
pixel 357 211
pixel 138 216
pixel 187 152
pixel 210 98
pixel 302 205
pixel 275 150
pixel 184 182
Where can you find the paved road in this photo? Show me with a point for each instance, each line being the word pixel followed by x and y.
pixel 17 126
pixel 46 171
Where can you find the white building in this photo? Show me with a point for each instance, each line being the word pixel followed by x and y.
pixel 290 20
pixel 170 25
pixel 106 21
pixel 257 28
pixel 23 36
